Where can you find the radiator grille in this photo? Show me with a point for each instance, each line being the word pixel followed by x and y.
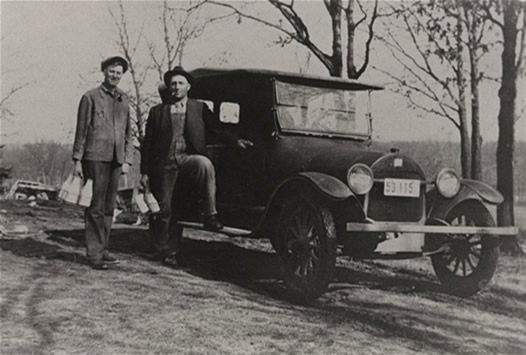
pixel 392 209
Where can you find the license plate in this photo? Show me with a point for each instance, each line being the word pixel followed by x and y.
pixel 402 187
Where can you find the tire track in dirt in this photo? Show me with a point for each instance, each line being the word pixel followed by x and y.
pixel 37 317
pixel 12 297
pixel 43 328
pixel 23 301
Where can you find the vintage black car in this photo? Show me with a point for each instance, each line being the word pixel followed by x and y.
pixel 313 187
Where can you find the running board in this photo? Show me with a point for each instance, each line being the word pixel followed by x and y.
pixel 416 228
pixel 229 231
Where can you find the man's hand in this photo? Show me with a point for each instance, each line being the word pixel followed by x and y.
pixel 125 168
pixel 244 143
pixel 145 182
pixel 77 168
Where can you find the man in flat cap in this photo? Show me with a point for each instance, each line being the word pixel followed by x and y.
pixel 174 145
pixel 103 150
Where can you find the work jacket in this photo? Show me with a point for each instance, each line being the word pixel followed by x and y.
pixel 103 130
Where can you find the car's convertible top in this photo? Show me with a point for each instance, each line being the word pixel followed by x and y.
pixel 299 78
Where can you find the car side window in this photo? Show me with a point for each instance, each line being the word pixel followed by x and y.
pixel 229 112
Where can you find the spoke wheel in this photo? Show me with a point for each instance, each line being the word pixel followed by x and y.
pixel 306 246
pixel 470 260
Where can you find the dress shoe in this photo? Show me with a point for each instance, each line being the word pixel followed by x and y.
pixel 99 265
pixel 159 256
pixel 110 259
pixel 213 223
pixel 171 260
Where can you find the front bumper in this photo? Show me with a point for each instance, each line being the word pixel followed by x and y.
pixel 418 228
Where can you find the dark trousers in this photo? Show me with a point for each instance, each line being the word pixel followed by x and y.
pixel 164 231
pixel 99 215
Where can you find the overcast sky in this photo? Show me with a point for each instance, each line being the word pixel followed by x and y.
pixel 56 48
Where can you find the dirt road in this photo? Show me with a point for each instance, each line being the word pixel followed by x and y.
pixel 227 298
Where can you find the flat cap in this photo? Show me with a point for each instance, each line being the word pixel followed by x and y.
pixel 114 60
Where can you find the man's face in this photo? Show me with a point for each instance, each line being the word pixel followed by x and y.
pixel 112 75
pixel 179 87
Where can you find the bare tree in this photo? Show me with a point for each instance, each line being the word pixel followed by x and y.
pixel 447 39
pixel 476 26
pixel 180 25
pixel 48 162
pixel 506 15
pixel 138 73
pixel 6 110
pixel 342 18
pixel 465 151
pixel 173 49
pixel 432 58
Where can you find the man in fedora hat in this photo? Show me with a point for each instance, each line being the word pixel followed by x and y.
pixel 174 145
pixel 103 150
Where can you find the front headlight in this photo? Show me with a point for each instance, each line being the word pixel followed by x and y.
pixel 447 183
pixel 360 179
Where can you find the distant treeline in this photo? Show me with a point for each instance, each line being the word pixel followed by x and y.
pixel 47 162
pixel 50 162
pixel 433 156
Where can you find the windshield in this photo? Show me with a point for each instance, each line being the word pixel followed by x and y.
pixel 328 111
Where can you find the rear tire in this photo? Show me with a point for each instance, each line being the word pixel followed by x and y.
pixel 471 261
pixel 306 244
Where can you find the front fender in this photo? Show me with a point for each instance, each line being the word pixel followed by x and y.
pixel 327 185
pixel 440 206
pixel 323 186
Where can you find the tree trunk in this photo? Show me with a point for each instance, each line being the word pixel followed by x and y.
pixel 507 95
pixel 335 11
pixel 465 146
pixel 349 16
pixel 476 139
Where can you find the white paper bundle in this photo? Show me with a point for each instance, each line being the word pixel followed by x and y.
pixel 75 190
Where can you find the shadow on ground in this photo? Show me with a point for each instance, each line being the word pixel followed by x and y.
pixel 259 271
pixel 222 260
pixel 215 260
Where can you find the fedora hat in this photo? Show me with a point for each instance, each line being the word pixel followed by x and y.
pixel 177 71
pixel 114 60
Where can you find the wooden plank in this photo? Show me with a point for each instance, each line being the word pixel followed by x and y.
pixel 415 228
pixel 230 231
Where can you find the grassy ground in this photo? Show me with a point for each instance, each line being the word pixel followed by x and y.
pixel 227 298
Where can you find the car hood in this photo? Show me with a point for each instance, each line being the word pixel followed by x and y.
pixel 336 162
pixel 288 156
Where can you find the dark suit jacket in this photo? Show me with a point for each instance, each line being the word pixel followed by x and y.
pixel 200 121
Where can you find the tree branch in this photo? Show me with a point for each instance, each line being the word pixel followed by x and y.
pixel 11 92
pixel 369 41
pixel 364 13
pixel 427 65
pixel 486 7
pixel 521 64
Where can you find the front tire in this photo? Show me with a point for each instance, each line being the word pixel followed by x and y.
pixel 306 244
pixel 471 260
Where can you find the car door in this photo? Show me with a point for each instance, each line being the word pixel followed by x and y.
pixel 240 173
